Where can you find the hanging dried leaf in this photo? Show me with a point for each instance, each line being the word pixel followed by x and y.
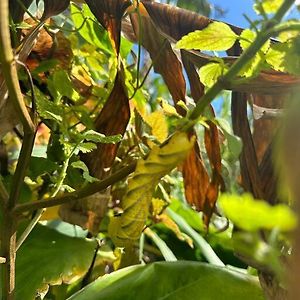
pixel 196 179
pixel 109 13
pixel 212 146
pixel 248 160
pixel 113 119
pixel 164 59
pixel 128 227
pixel 209 189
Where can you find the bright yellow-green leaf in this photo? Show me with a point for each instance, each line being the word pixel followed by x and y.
pixel 158 123
pixel 248 36
pixel 216 36
pixel 128 227
pixel 253 67
pixel 250 214
pixel 291 61
pixel 275 57
pixel 210 73
pixel 287 35
pixel 269 6
pixel 168 109
pixel 158 206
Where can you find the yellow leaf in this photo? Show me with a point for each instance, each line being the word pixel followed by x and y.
pixel 127 228
pixel 51 213
pixel 157 206
pixel 158 123
pixel 168 222
pixel 168 109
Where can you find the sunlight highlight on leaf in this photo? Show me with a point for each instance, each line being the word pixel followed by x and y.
pixel 250 214
pixel 216 36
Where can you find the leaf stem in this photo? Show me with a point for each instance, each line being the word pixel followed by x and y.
pixel 204 246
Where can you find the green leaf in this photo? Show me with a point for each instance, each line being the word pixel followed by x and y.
pixel 291 61
pixel 267 6
pixel 49 257
pixel 85 147
pixel 173 281
pixel 210 73
pixel 192 217
pixel 47 109
pixel 275 56
pixel 127 228
pixel 39 166
pixel 250 214
pixel 234 142
pixel 285 56
pixel 216 36
pixel 86 174
pixel 89 28
pixel 64 85
pixel 96 137
pixel 248 36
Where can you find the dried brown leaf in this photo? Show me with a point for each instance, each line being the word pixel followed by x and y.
pixel 163 57
pixel 196 179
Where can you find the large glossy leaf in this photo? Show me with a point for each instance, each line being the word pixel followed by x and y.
pixel 127 228
pixel 173 281
pixel 49 257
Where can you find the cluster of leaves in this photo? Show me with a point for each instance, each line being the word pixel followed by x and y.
pixel 93 68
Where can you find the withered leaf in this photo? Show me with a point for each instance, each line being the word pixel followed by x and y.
pixel 112 120
pixel 248 160
pixel 196 179
pixel 109 13
pixel 164 59
pixel 176 22
pixel 212 145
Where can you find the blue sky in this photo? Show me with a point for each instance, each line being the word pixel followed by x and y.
pixel 235 10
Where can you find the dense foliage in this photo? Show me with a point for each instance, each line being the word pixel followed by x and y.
pixel 143 140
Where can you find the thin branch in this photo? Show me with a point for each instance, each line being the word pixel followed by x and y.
pixel 21 169
pixel 74 196
pixel 9 70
